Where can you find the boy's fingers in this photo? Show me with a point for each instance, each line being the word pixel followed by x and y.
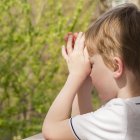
pixel 86 54
pixel 64 53
pixel 66 36
pixel 75 37
pixel 79 43
pixel 75 34
pixel 69 44
pixel 82 46
pixel 78 38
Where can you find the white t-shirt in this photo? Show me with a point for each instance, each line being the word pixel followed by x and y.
pixel 119 119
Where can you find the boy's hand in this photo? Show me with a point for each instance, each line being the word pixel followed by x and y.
pixel 76 56
pixel 73 39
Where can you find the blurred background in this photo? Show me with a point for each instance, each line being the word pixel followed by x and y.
pixel 32 70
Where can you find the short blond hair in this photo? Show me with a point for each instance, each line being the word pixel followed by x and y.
pixel 117 33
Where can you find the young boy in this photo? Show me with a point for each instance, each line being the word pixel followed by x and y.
pixel 109 54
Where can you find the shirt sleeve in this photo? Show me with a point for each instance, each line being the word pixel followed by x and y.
pixel 107 123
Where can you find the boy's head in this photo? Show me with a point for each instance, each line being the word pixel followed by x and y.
pixel 117 33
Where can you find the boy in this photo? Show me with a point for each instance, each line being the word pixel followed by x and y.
pixel 109 53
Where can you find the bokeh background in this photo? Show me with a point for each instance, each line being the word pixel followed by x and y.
pixel 32 70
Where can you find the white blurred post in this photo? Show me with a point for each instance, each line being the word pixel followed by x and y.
pixel 35 137
pixel 114 3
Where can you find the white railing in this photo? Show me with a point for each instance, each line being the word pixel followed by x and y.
pixel 35 137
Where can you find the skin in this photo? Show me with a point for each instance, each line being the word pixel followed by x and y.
pixel 56 123
pixel 102 79
pixel 83 99
pixel 115 83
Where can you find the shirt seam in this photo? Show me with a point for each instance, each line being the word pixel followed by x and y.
pixel 72 128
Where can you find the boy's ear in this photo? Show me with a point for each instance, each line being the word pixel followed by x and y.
pixel 118 67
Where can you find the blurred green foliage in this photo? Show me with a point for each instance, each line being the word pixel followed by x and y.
pixel 32 70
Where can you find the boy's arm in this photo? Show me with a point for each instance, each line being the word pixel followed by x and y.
pixel 83 100
pixel 56 124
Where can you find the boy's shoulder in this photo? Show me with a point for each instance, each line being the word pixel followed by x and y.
pixel 113 118
pixel 123 102
pixel 127 107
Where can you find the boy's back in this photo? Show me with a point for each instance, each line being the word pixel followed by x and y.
pixel 133 118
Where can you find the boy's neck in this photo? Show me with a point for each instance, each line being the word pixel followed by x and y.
pixel 124 94
pixel 130 86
